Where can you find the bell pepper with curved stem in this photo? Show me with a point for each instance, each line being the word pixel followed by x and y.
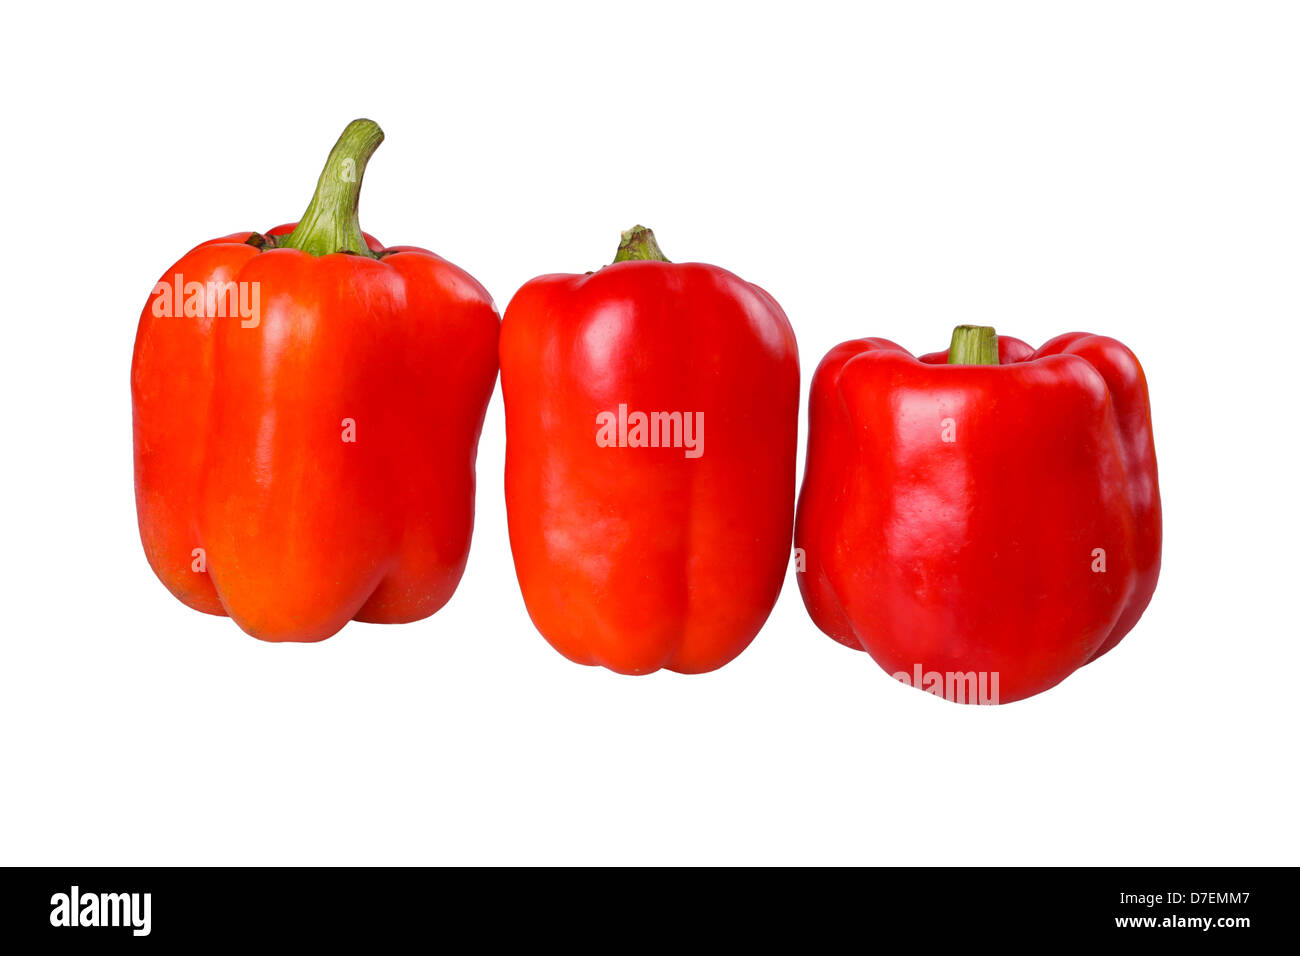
pixel 307 405
pixel 651 429
pixel 991 513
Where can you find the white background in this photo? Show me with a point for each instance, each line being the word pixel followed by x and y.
pixel 882 169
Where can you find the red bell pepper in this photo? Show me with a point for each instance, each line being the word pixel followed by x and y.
pixel 651 430
pixel 307 406
pixel 990 515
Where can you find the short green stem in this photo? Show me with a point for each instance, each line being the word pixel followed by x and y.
pixel 330 223
pixel 639 245
pixel 973 345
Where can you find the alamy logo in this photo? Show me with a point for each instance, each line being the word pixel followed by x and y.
pixel 208 300
pixel 960 687
pixel 102 909
pixel 651 430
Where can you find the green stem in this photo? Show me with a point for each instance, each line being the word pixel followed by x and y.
pixel 639 244
pixel 973 345
pixel 330 223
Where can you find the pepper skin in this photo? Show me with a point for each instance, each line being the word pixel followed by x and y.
pixel 255 498
pixel 633 557
pixel 989 518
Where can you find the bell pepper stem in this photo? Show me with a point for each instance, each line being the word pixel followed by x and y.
pixel 973 345
pixel 639 244
pixel 330 223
